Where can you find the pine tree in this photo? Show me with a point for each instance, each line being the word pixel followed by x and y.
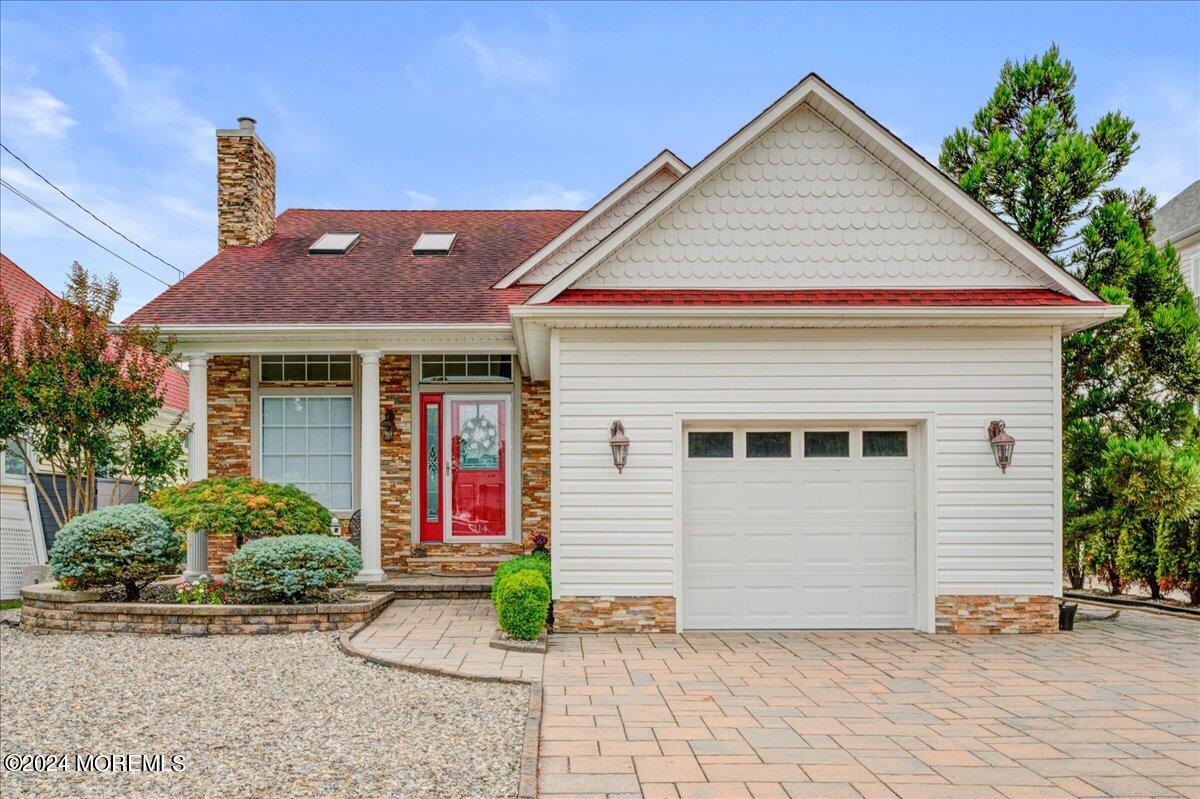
pixel 1137 377
pixel 1025 156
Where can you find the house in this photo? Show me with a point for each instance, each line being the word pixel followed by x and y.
pixel 27 525
pixel 805 338
pixel 1178 222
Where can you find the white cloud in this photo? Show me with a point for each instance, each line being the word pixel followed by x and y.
pixel 546 194
pixel 150 100
pixel 34 112
pixel 503 63
pixel 1167 118
pixel 420 199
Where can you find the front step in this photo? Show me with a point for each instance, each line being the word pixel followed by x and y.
pixel 429 586
pixel 457 565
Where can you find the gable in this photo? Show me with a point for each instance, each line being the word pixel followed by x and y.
pixel 599 228
pixel 804 205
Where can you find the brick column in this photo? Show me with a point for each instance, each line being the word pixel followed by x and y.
pixel 535 461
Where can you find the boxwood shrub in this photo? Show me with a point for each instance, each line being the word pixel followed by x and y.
pixel 242 507
pixel 522 602
pixel 536 561
pixel 126 545
pixel 292 568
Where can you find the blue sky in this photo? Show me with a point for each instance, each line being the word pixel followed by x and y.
pixel 522 106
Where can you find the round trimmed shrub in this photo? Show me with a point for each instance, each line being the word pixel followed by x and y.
pixel 292 568
pixel 536 561
pixel 522 602
pixel 242 507
pixel 127 545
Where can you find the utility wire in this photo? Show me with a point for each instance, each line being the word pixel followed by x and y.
pixel 50 183
pixel 62 221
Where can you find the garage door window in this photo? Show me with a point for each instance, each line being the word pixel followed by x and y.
pixel 768 444
pixel 710 444
pixel 885 444
pixel 827 444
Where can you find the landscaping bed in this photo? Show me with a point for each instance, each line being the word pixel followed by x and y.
pixel 48 608
pixel 252 717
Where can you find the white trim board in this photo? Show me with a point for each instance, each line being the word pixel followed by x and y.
pixel 877 140
pixel 664 160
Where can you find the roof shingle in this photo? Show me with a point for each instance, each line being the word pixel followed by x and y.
pixel 379 281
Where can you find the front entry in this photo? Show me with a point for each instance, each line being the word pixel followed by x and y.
pixel 464 480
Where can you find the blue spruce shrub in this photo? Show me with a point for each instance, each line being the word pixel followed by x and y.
pixel 126 545
pixel 292 568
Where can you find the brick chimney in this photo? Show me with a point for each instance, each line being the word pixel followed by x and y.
pixel 245 187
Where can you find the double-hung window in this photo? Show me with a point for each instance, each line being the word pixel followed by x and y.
pixel 308 442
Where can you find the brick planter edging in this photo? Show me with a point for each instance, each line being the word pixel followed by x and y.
pixel 528 767
pixel 48 609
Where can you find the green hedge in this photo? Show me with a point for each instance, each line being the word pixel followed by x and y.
pixel 537 561
pixel 292 568
pixel 242 507
pixel 522 603
pixel 127 545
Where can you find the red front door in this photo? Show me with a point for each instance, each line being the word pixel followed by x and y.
pixel 477 440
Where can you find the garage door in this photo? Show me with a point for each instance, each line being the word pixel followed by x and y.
pixel 794 527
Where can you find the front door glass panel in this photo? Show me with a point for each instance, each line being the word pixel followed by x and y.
pixel 478 445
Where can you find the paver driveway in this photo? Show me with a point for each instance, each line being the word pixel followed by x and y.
pixel 1110 710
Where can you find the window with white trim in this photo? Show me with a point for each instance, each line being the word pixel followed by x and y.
pixel 308 442
pixel 14 464
pixel 305 369
pixel 466 368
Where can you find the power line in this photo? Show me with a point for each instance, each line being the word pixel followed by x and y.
pixel 62 221
pixel 87 211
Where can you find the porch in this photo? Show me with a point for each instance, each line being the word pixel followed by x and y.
pixel 441 457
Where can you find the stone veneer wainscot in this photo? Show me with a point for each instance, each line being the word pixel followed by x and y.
pixel 987 614
pixel 614 614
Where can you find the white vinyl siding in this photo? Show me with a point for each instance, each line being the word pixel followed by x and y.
pixel 993 533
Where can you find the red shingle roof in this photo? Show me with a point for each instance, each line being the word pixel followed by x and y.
pixel 848 297
pixel 379 281
pixel 24 293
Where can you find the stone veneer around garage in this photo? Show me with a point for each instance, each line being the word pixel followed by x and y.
pixel 48 609
pixel 614 614
pixel 990 613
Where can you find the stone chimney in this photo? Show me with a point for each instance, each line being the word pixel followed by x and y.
pixel 245 187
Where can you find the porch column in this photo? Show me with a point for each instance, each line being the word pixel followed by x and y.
pixel 197 542
pixel 372 545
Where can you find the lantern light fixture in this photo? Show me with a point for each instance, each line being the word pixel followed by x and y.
pixel 620 445
pixel 335 526
pixel 1002 444
pixel 387 425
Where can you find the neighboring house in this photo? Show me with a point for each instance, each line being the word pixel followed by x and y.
pixel 27 526
pixel 1178 222
pixel 805 337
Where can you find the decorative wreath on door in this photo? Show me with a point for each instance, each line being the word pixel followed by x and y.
pixel 479 437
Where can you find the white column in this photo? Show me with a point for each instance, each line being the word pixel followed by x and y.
pixel 372 546
pixel 197 542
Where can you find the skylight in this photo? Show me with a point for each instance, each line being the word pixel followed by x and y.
pixel 434 244
pixel 334 244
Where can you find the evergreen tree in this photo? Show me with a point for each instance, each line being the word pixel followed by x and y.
pixel 1137 377
pixel 1025 156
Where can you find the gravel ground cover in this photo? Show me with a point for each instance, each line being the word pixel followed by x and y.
pixel 255 716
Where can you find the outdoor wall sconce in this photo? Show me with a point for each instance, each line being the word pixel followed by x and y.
pixel 387 425
pixel 620 445
pixel 1002 444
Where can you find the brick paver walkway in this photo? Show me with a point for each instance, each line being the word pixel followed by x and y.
pixel 1110 710
pixel 449 635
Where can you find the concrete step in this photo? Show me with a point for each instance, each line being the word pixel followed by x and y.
pixel 431 586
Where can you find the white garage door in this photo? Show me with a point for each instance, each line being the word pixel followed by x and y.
pixel 792 527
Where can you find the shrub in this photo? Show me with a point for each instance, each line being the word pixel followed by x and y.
pixel 127 545
pixel 242 507
pixel 536 561
pixel 522 602
pixel 292 568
